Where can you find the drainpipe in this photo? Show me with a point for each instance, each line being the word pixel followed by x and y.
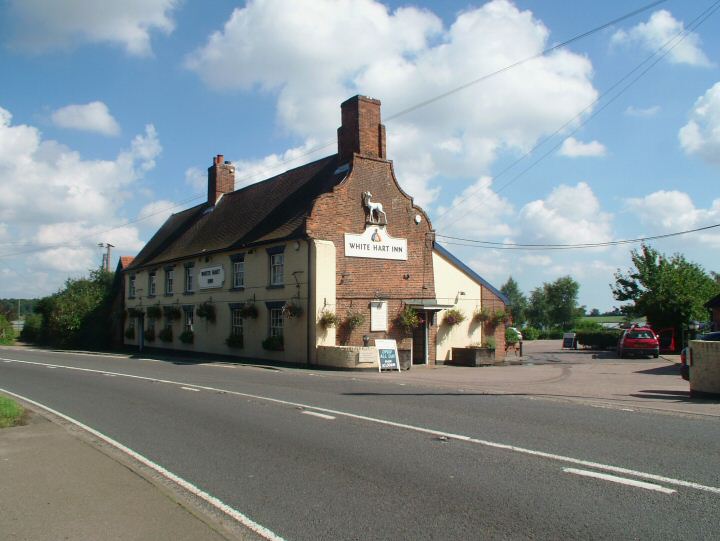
pixel 310 316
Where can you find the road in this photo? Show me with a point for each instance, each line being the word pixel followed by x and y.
pixel 324 455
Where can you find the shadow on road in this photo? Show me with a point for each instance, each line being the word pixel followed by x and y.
pixel 667 370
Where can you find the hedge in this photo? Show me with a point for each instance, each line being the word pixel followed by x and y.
pixel 598 339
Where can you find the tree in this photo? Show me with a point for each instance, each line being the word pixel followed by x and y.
pixel 79 314
pixel 670 292
pixel 518 301
pixel 555 304
pixel 594 312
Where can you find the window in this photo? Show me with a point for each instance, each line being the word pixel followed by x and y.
pixel 188 311
pixel 131 287
pixel 276 322
pixel 169 279
pixel 151 284
pixel 188 279
pixel 277 264
pixel 239 274
pixel 236 328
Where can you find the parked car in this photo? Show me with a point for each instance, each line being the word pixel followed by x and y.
pixel 686 353
pixel 638 341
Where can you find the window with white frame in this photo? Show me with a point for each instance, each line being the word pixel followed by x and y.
pixel 236 322
pixel 189 279
pixel 238 273
pixel 277 269
pixel 131 286
pixel 152 284
pixel 188 323
pixel 276 322
pixel 169 280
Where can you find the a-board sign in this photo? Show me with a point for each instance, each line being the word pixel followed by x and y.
pixel 569 341
pixel 388 355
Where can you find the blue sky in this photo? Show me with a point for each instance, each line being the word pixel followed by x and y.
pixel 110 114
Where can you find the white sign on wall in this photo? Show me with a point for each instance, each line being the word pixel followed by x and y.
pixel 375 243
pixel 212 277
pixel 378 316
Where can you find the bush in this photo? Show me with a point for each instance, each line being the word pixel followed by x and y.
pixel 166 334
pixel 235 341
pixel 7 333
pixel 454 317
pixel 149 334
pixel 187 337
pixel 530 333
pixel 130 333
pixel 604 339
pixel 328 319
pixel 31 332
pixel 489 342
pixel 206 311
pixel 273 343
pixel 551 334
pixel 511 336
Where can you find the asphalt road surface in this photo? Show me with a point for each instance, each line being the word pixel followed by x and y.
pixel 317 455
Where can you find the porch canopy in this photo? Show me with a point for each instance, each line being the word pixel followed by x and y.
pixel 429 305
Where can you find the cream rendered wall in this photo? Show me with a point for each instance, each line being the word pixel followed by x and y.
pixel 323 292
pixel 210 337
pixel 449 281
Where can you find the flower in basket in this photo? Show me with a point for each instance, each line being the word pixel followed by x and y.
pixel 454 317
pixel 206 310
pixel 328 319
pixel 291 310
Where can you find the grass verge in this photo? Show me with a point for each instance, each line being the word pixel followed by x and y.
pixel 11 413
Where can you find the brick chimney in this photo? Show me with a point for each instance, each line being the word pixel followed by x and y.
pixel 221 179
pixel 361 131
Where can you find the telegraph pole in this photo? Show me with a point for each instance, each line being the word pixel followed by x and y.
pixel 106 256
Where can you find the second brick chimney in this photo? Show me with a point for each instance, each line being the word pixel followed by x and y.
pixel 221 179
pixel 361 131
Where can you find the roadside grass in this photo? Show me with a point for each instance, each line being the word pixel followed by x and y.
pixel 11 413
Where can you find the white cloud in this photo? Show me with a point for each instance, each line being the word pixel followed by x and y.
pixel 536 260
pixel 52 198
pixel 196 178
pixel 662 28
pixel 403 57
pixel 701 135
pixel 154 214
pixel 673 211
pixel 642 111
pixel 569 215
pixel 572 148
pixel 92 117
pixel 46 26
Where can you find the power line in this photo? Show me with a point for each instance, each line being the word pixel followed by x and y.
pixel 512 246
pixel 695 23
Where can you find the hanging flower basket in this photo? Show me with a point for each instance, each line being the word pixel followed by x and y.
pixel 453 317
pixel 130 333
pixel 166 334
pixel 328 319
pixel 498 317
pixel 483 315
pixel 249 311
pixel 154 312
pixel 354 320
pixel 206 310
pixel 135 312
pixel 408 319
pixel 273 343
pixel 187 337
pixel 149 335
pixel 171 312
pixel 235 341
pixel 291 310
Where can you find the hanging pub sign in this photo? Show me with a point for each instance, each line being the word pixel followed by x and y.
pixel 375 243
pixel 388 354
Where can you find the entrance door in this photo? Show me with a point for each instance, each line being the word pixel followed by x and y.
pixel 420 336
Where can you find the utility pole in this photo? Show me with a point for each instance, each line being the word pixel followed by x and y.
pixel 106 256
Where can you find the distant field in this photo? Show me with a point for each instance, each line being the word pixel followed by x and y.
pixel 604 319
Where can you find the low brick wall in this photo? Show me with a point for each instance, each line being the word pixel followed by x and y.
pixel 348 356
pixel 705 369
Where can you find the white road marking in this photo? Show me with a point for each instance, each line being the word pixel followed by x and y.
pixel 109 375
pixel 422 430
pixel 321 415
pixel 212 500
pixel 621 480
pixel 191 389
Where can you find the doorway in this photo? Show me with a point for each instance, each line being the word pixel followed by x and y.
pixel 420 341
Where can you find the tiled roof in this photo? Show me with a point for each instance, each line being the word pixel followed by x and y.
pixel 272 210
pixel 125 261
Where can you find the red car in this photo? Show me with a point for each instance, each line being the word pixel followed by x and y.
pixel 638 341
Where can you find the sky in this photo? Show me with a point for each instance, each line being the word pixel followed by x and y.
pixel 111 112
